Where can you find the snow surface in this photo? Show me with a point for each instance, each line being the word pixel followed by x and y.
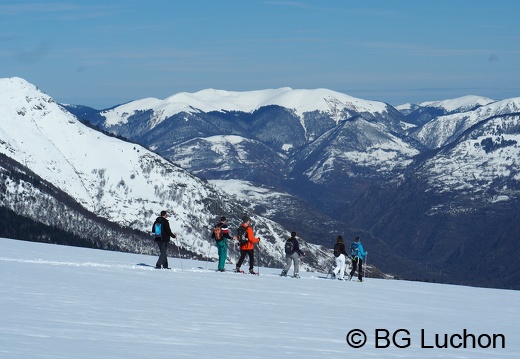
pixel 299 100
pixel 67 302
pixel 459 103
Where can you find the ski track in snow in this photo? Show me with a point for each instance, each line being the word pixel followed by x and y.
pixel 68 302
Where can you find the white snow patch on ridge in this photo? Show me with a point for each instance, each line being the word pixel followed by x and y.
pixel 464 102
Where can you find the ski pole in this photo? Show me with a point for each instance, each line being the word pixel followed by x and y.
pixel 258 263
pixel 235 252
pixel 207 256
pixel 365 267
pixel 330 270
pixel 179 251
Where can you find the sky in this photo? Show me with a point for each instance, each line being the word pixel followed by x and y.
pixel 104 53
pixel 66 302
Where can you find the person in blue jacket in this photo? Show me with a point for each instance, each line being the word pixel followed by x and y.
pixel 358 255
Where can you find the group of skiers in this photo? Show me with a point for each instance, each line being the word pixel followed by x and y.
pixel 247 240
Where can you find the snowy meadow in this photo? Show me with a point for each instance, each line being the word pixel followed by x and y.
pixel 69 302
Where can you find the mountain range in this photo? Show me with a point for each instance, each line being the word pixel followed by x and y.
pixel 431 188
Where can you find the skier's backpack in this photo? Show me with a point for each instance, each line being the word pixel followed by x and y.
pixel 241 235
pixel 337 250
pixel 217 233
pixel 289 247
pixel 157 228
pixel 354 250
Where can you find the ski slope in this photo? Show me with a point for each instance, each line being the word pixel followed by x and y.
pixel 67 302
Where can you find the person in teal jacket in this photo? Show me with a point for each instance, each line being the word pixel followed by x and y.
pixel 221 235
pixel 358 255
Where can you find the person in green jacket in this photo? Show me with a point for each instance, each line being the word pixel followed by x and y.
pixel 221 235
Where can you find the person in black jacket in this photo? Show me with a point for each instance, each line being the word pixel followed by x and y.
pixel 292 254
pixel 341 254
pixel 163 239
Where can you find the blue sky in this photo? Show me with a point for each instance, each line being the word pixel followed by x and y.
pixel 103 53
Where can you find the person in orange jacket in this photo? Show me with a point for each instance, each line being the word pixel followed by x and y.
pixel 248 247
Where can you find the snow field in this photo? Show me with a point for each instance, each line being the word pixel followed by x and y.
pixel 68 302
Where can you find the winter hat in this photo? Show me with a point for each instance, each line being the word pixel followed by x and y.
pixel 245 219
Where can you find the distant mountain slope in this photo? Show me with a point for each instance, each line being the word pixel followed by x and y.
pixel 426 111
pixel 444 129
pixel 457 211
pixel 325 147
pixel 277 135
pixel 36 210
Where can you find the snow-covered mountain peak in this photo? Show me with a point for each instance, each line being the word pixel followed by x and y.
pixel 459 104
pixel 406 107
pixel 510 105
pixel 20 93
pixel 301 101
pixel 17 84
pixel 222 100
pixel 105 175
pixel 444 129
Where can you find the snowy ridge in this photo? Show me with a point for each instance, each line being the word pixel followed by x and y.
pixel 72 161
pixel 487 156
pixel 406 107
pixel 208 100
pixel 221 146
pixel 444 129
pixel 83 304
pixel 459 104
